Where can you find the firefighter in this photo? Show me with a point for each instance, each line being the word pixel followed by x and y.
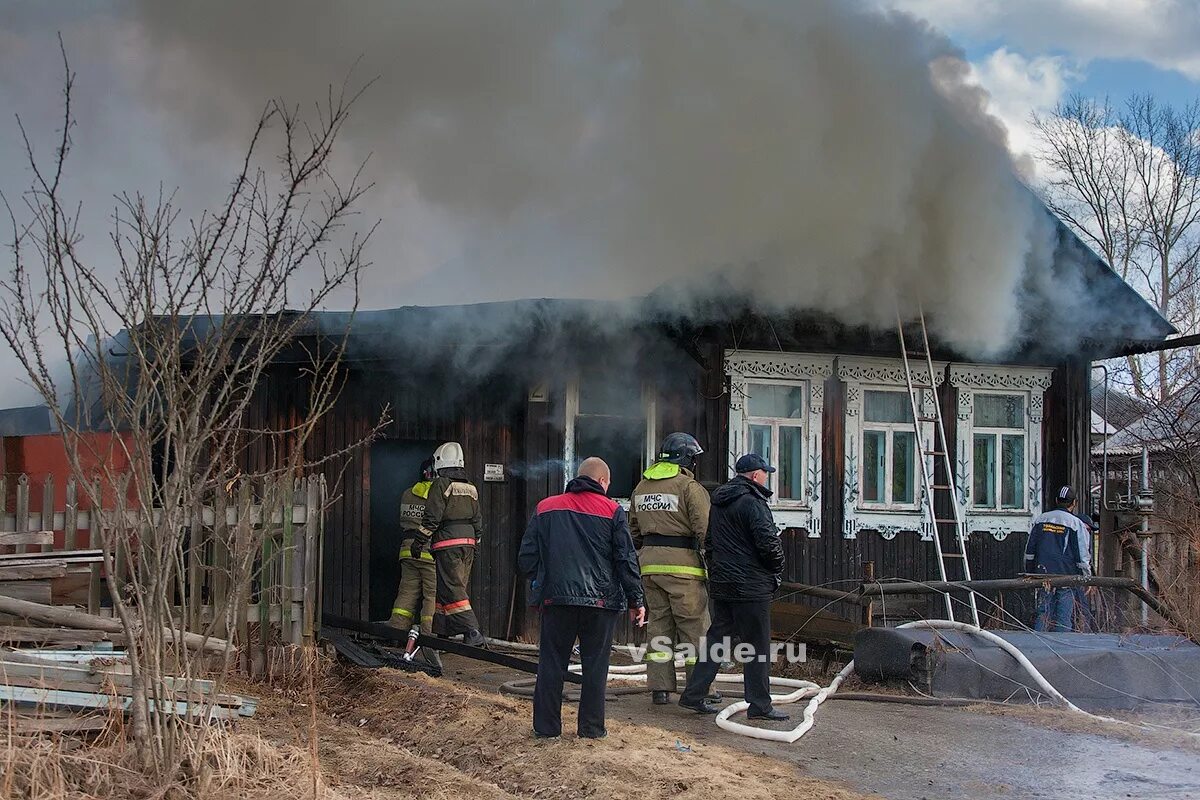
pixel 450 529
pixel 668 519
pixel 418 576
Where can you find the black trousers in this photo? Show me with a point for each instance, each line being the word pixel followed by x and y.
pixel 749 621
pixel 561 625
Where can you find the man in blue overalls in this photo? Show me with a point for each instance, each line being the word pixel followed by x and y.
pixel 1059 544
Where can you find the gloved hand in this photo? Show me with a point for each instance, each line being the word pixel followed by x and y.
pixel 419 545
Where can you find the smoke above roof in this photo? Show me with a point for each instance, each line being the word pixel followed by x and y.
pixel 820 155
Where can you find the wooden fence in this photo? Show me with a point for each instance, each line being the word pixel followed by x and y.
pixel 53 556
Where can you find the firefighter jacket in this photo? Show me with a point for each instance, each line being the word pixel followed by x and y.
pixel 742 548
pixel 668 517
pixel 412 511
pixel 1059 544
pixel 578 551
pixel 452 517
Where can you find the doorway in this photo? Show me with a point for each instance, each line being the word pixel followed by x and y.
pixel 395 466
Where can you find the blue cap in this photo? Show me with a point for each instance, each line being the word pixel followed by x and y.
pixel 751 462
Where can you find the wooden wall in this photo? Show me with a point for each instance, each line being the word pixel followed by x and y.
pixel 497 422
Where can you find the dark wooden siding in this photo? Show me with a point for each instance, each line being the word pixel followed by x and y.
pixel 498 423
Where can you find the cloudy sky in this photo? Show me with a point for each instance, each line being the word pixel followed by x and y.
pixel 1029 54
pixel 464 115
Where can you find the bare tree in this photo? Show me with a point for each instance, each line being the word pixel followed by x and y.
pixel 1128 181
pixel 165 342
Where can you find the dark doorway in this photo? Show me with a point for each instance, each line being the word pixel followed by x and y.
pixel 395 466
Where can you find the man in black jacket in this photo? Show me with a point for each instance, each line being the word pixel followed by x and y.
pixel 745 567
pixel 579 552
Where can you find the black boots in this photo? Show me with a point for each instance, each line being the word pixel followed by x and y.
pixel 660 698
pixel 771 716
pixel 703 707
pixel 473 638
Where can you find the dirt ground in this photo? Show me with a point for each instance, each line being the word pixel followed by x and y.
pixel 388 734
pixel 908 752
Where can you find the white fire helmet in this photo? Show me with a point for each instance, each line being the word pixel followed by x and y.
pixel 448 455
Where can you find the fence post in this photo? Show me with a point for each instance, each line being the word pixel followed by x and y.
pixel 95 542
pixel 243 622
pixel 71 515
pixel 22 516
pixel 195 580
pixel 220 559
pixel 314 512
pixel 47 516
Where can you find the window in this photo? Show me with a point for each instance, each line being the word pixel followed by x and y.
pixel 775 429
pixel 998 451
pixel 610 421
pixel 889 448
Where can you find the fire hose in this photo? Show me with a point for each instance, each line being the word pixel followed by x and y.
pixel 817 694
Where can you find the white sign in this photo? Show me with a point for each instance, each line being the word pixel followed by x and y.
pixel 493 472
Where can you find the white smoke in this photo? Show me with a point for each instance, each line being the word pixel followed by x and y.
pixel 826 156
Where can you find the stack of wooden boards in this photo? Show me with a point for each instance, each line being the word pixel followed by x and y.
pixel 46 577
pixel 81 690
pixel 79 681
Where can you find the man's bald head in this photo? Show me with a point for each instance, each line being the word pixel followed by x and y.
pixel 596 469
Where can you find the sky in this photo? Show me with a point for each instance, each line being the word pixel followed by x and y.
pixel 153 114
pixel 1029 54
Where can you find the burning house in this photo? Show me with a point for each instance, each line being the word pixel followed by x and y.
pixel 531 387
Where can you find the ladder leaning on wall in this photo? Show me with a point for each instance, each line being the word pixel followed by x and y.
pixel 955 551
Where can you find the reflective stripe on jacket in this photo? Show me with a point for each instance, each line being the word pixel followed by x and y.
pixel 452 512
pixel 669 502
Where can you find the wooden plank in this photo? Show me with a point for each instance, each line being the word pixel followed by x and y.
pixel 30 696
pixel 195 570
pixel 80 679
pixel 8 559
pixel 806 623
pixel 39 538
pixel 287 567
pixel 70 523
pixel 220 554
pixel 70 618
pixel 30 572
pixel 46 517
pixel 59 636
pixel 95 541
pixel 31 591
pixel 312 501
pixel 243 632
pixel 21 520
pixel 47 723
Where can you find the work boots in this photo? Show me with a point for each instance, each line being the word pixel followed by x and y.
pixel 773 715
pixel 703 707
pixel 660 698
pixel 473 638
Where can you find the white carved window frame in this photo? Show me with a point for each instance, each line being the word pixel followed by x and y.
pixel 1029 382
pixel 862 374
pixel 808 371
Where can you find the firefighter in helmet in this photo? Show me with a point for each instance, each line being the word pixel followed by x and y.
pixel 668 518
pixel 418 576
pixel 450 529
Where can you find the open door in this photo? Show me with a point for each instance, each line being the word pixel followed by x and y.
pixel 395 466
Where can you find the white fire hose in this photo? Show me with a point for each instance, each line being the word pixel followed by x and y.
pixel 817 694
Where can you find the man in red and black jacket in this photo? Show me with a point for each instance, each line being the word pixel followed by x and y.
pixel 580 555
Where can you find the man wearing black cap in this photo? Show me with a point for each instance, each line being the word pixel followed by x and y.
pixel 1059 544
pixel 745 566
